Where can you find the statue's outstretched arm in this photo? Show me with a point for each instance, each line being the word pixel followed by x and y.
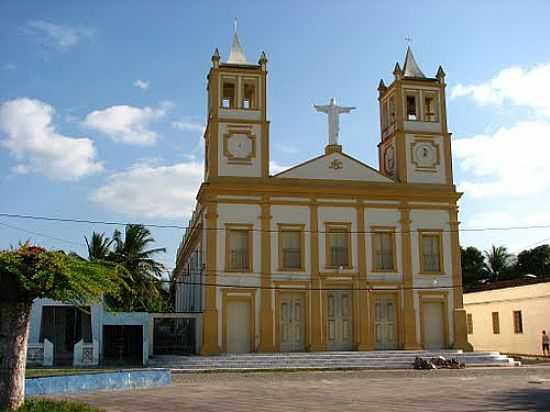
pixel 346 109
pixel 323 109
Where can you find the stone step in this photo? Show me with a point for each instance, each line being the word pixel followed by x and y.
pixel 323 360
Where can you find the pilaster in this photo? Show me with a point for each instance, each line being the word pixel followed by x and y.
pixel 210 317
pixel 316 316
pixel 361 295
pixel 266 300
pixel 409 313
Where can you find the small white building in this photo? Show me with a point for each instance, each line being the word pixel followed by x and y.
pixel 331 254
pixel 509 318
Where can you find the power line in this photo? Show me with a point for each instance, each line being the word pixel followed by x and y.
pixel 42 235
pixel 180 227
pixel 305 288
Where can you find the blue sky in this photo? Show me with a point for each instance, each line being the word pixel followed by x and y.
pixel 103 103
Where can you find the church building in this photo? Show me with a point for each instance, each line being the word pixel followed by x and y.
pixel 331 254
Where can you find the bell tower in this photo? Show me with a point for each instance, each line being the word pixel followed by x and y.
pixel 237 132
pixel 415 144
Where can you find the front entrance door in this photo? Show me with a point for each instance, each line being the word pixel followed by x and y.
pixel 433 325
pixel 238 327
pixel 339 318
pixel 291 322
pixel 385 326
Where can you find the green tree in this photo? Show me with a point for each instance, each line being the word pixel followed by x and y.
pixel 131 250
pixel 473 265
pixel 497 261
pixel 31 272
pixel 535 261
pixel 99 247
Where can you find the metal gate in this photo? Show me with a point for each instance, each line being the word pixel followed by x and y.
pixel 174 336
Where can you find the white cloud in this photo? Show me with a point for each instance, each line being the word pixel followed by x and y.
pixel 126 124
pixel 147 190
pixel 515 85
pixel 188 125
pixel 59 35
pixel 141 84
pixel 512 162
pixel 38 147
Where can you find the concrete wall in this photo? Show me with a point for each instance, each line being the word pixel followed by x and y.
pixel 89 382
pixel 534 303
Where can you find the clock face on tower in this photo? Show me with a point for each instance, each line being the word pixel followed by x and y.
pixel 239 147
pixel 389 160
pixel 425 154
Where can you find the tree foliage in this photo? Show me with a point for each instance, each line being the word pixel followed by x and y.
pixel 535 261
pixel 497 261
pixel 33 272
pixel 132 250
pixel 473 265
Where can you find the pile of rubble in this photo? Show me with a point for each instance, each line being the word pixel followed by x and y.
pixel 437 363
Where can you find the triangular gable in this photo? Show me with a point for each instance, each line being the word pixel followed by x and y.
pixel 334 166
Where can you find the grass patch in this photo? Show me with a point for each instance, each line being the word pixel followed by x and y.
pixel 47 405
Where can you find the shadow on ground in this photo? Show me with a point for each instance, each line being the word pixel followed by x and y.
pixel 530 399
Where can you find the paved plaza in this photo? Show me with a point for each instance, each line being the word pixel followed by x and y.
pixel 496 389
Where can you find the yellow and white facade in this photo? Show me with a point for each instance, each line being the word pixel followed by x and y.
pixel 331 254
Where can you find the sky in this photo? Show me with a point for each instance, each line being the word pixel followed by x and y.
pixel 103 104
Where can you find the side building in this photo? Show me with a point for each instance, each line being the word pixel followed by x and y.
pixel 331 254
pixel 509 317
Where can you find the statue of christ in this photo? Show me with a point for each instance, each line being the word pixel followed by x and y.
pixel 333 111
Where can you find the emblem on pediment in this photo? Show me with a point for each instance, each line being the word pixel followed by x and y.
pixel 336 164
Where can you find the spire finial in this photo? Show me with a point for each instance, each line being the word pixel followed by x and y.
pixel 235 25
pixel 236 56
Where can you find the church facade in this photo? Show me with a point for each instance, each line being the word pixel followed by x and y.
pixel 331 254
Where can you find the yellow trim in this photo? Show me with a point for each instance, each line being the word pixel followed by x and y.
pixel 438 233
pixel 210 316
pixel 283 227
pixel 438 297
pixel 408 313
pixel 229 227
pixel 386 230
pixel 338 227
pixel 317 330
pixel 245 295
pixel 266 295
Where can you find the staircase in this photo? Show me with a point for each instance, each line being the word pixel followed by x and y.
pixel 321 360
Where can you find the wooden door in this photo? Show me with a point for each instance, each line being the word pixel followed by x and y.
pixel 340 320
pixel 385 324
pixel 238 327
pixel 433 325
pixel 291 322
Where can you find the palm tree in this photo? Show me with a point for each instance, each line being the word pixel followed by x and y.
pixel 497 260
pixel 99 247
pixel 131 251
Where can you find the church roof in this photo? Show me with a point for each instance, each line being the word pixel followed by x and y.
pixel 410 67
pixel 236 56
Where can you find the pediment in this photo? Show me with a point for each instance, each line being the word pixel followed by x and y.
pixel 334 166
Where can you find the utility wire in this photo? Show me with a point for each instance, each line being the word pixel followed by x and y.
pixel 291 287
pixel 180 227
pixel 42 235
